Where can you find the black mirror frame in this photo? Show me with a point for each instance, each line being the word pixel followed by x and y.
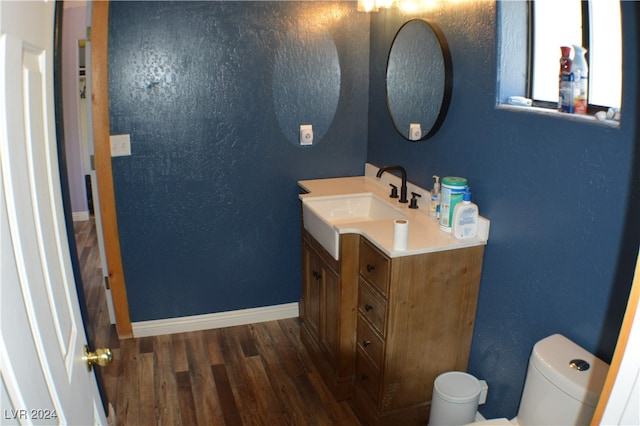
pixel 448 80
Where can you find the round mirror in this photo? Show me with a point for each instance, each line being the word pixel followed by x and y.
pixel 418 80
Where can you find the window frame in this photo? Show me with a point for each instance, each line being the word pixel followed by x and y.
pixel 514 38
pixel 586 41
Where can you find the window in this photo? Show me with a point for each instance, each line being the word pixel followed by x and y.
pixel 596 26
pixel 530 35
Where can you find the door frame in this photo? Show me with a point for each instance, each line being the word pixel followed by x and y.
pixel 104 172
pixel 65 190
pixel 616 400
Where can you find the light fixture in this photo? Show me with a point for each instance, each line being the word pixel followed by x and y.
pixel 407 6
pixel 374 5
pixel 367 6
pixel 385 4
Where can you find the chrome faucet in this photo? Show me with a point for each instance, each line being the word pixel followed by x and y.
pixel 403 176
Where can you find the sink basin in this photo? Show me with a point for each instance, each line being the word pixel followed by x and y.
pixel 320 215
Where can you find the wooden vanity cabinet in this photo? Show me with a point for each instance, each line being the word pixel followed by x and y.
pixel 380 329
pixel 328 310
pixel 415 320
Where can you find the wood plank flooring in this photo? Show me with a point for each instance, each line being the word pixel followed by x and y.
pixel 257 374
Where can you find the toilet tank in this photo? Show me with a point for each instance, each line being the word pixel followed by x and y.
pixel 557 393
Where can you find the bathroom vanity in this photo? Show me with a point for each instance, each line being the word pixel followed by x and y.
pixel 415 321
pixel 380 323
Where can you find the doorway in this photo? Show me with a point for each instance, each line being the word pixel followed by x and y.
pixel 76 94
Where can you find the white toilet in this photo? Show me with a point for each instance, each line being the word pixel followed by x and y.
pixel 562 387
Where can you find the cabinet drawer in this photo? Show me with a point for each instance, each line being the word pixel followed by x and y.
pixel 367 375
pixel 372 307
pixel 369 342
pixel 374 266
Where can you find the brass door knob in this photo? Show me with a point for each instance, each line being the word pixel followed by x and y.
pixel 101 356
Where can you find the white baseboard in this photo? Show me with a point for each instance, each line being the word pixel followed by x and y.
pixel 217 320
pixel 80 216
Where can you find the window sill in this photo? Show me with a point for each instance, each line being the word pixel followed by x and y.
pixel 553 113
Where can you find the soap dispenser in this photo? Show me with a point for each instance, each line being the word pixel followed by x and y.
pixel 465 218
pixel 434 202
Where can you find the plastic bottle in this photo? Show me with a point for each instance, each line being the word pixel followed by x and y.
pixel 565 81
pixel 465 218
pixel 434 203
pixel 580 73
pixel 451 193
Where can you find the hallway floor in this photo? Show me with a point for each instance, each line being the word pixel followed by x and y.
pixel 257 374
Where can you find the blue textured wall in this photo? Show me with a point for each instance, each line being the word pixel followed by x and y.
pixel 207 203
pixel 561 251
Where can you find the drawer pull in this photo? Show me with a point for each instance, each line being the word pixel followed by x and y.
pixel 370 267
pixel 364 377
pixel 317 275
pixel 368 307
pixel 366 343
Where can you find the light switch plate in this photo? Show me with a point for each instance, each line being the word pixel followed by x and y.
pixel 306 134
pixel 120 145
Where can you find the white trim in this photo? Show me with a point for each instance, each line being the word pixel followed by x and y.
pixel 217 320
pixel 80 216
pixel 623 405
pixel 479 417
pixel 110 308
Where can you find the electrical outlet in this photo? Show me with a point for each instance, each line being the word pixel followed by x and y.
pixel 120 145
pixel 415 131
pixel 306 134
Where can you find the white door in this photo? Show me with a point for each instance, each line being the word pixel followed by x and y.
pixel 44 378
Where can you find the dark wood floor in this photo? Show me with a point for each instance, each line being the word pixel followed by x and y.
pixel 258 374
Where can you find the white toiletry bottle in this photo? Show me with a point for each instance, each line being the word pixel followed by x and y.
pixel 434 202
pixel 465 218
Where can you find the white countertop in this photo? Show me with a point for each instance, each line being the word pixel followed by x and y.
pixel 425 235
